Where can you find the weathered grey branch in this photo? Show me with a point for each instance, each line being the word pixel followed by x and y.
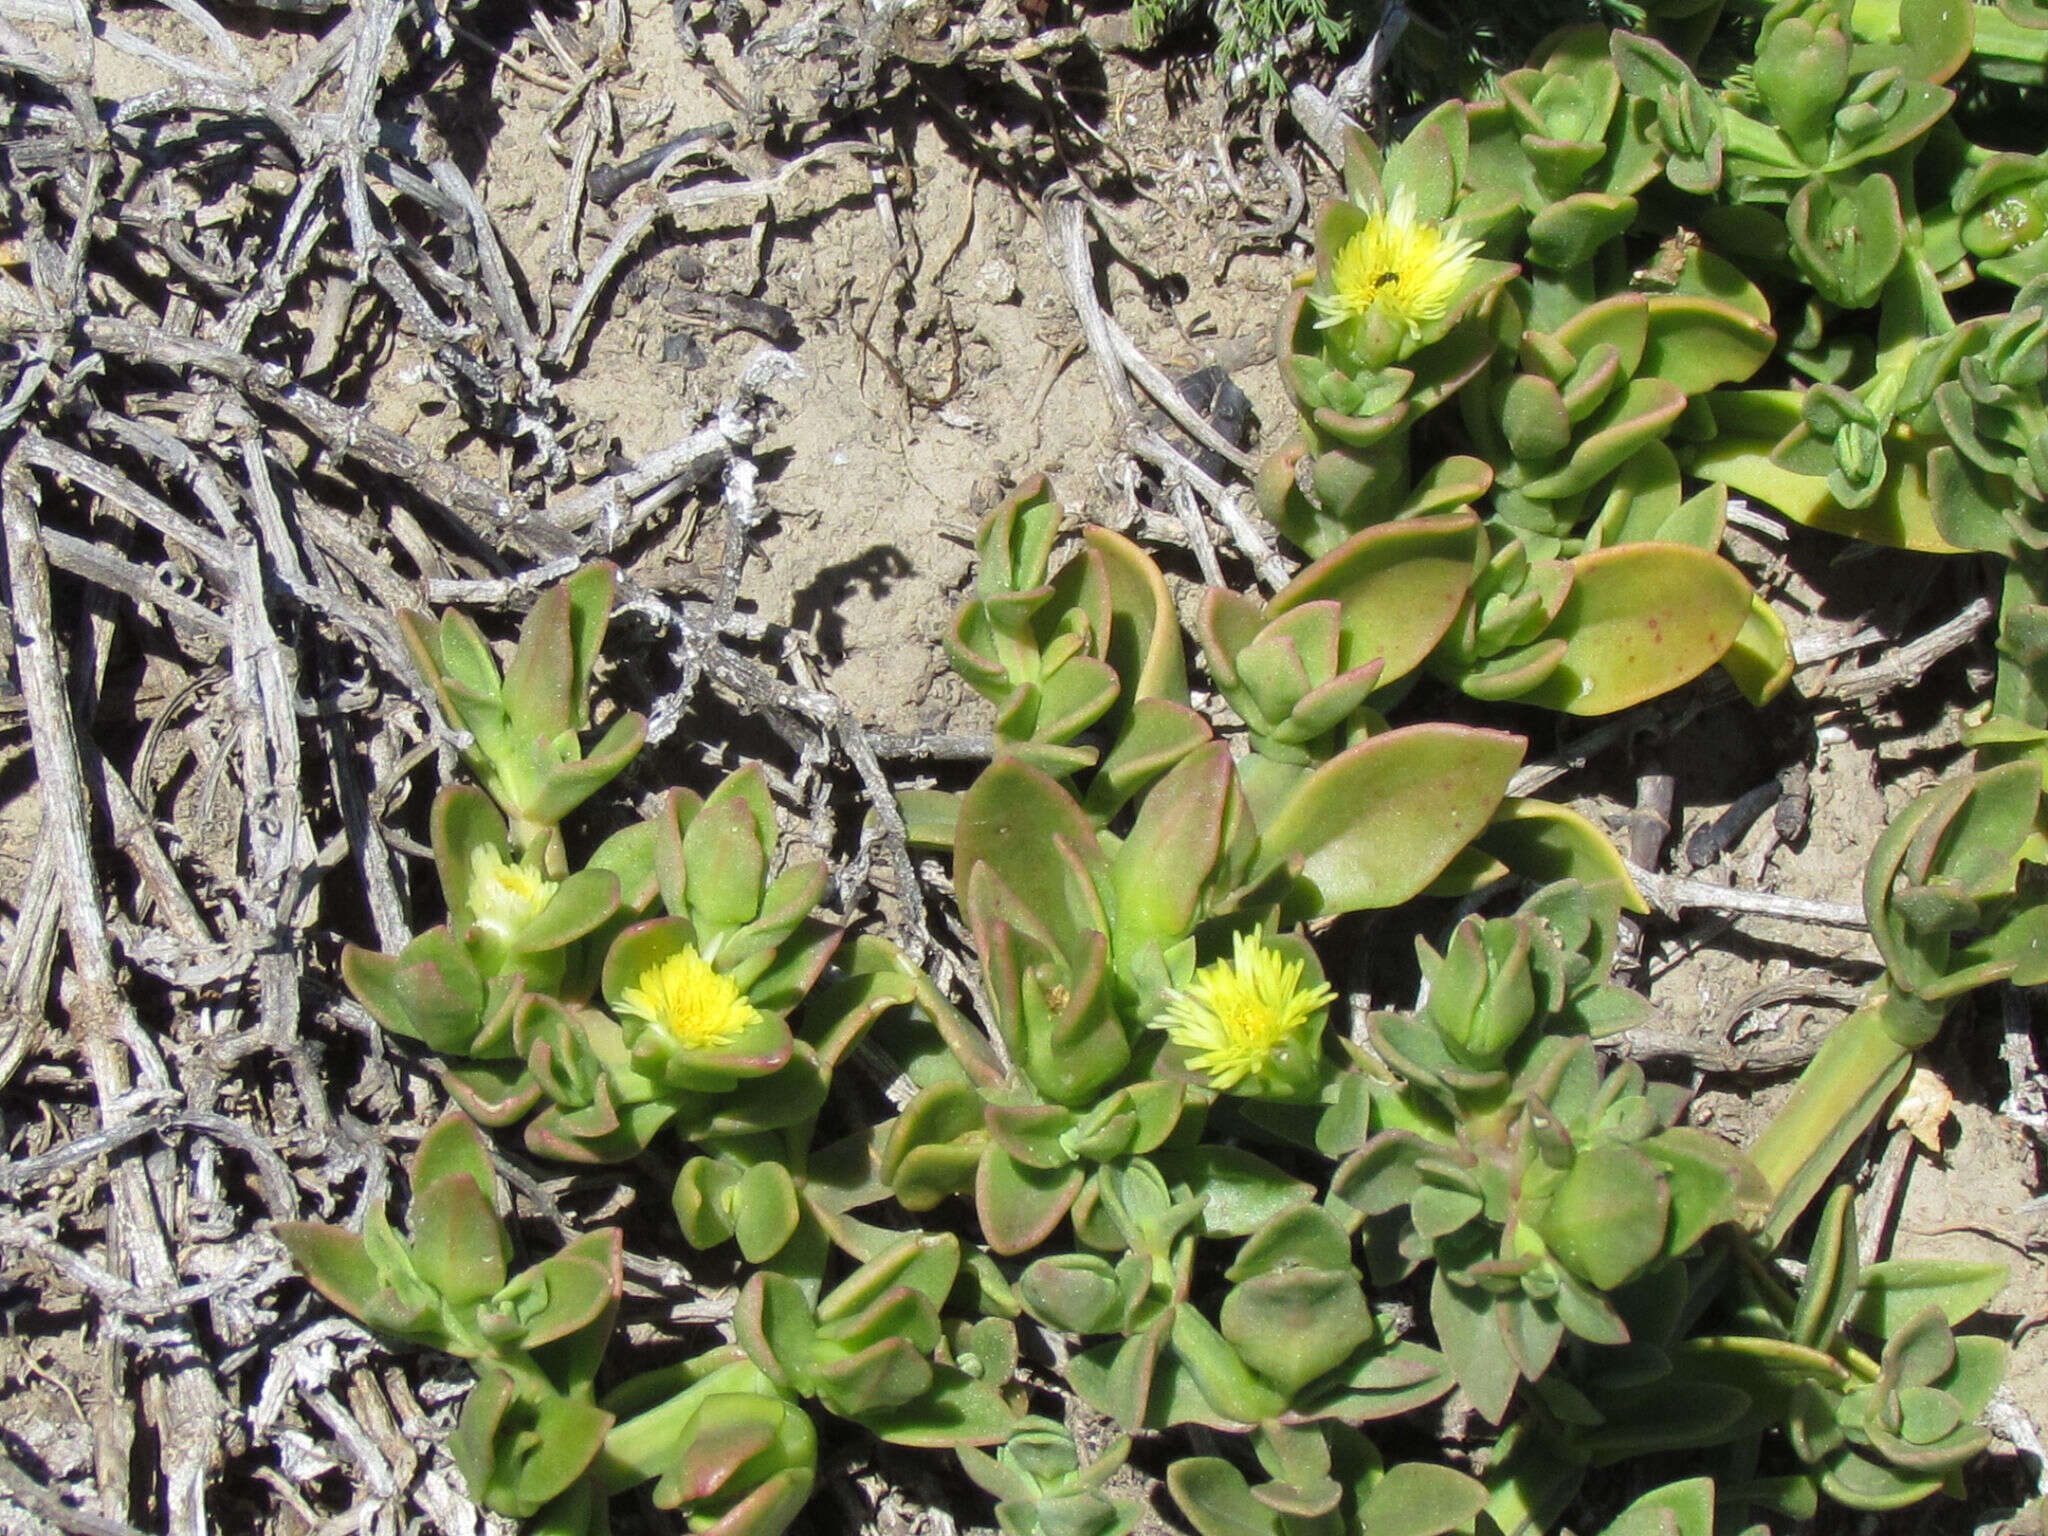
pixel 191 1399
pixel 1673 894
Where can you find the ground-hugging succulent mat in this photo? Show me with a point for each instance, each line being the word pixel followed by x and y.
pixel 311 315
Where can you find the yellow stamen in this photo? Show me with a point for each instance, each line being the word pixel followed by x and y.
pixel 684 998
pixel 504 897
pixel 1232 1015
pixel 1409 269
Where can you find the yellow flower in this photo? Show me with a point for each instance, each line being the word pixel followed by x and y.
pixel 504 897
pixel 1407 269
pixel 1233 1015
pixel 684 998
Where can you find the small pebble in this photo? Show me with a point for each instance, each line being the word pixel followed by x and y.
pixel 681 349
pixel 996 281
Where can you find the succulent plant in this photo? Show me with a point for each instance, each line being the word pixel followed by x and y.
pixel 1300 668
pixel 525 723
pixel 1391 326
pixel 1871 1431
pixel 1110 959
pixel 532 1426
pixel 1212 1194
pixel 747 1192
pixel 2001 204
pixel 721 1443
pixel 1676 1509
pixel 725 1449
pixel 650 989
pixel 513 930
pixel 1951 899
pixel 1056 656
pixel 1293 1338
pixel 1500 1149
pixel 693 1032
pixel 1305 671
pixel 1159 1023
pixel 1936 451
pixel 875 1350
pixel 1323 1479
pixel 1042 1489
pixel 1162 950
pixel 1567 385
pixel 1887 1437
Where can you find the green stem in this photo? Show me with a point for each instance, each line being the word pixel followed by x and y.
pixel 1839 1094
pixel 1781 1301
pixel 1779 1352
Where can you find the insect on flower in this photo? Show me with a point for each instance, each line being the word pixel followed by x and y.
pixel 1404 269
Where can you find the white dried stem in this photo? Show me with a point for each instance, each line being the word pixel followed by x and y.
pixel 1672 894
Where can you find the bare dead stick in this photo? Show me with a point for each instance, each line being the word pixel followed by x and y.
pixel 102 1014
pixel 349 433
pixel 44 1505
pixel 1114 354
pixel 1672 894
pixel 1905 664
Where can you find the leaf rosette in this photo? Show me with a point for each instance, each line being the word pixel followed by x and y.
pixel 531 1428
pixel 1501 1150
pixel 526 722
pixel 512 930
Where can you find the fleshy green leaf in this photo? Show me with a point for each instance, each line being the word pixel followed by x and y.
pixel 765 1211
pixel 1471 1341
pixel 1890 1293
pixel 1639 621
pixel 1378 822
pixel 1419 1498
pixel 1218 1501
pixel 1397 586
pixel 459 1243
